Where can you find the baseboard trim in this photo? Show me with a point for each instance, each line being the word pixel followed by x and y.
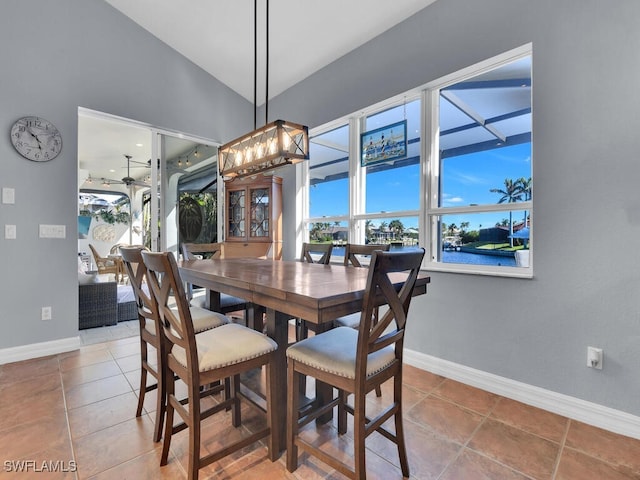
pixel 587 412
pixel 35 350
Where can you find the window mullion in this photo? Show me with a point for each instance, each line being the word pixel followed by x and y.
pixel 356 181
pixel 431 145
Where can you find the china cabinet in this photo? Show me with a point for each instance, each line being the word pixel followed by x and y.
pixel 254 211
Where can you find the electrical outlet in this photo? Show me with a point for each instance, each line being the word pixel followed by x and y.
pixel 46 313
pixel 594 357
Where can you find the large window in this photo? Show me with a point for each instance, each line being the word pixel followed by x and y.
pixel 329 174
pixel 479 210
pixel 394 186
pixel 464 194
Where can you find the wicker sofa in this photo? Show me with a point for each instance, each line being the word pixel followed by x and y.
pixel 97 304
pixel 127 311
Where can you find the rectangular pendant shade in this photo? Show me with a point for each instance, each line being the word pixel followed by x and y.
pixel 276 144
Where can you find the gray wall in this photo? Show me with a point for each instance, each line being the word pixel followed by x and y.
pixel 586 202
pixel 587 212
pixel 56 56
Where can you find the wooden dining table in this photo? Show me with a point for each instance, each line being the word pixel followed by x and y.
pixel 286 289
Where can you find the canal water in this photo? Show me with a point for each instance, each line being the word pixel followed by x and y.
pixel 452 257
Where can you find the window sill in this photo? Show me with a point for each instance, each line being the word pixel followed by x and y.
pixel 512 272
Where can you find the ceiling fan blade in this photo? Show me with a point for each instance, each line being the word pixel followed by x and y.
pixel 111 181
pixel 143 164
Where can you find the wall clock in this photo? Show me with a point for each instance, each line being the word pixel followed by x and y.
pixel 36 139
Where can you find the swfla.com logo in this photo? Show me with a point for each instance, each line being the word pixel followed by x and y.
pixel 22 466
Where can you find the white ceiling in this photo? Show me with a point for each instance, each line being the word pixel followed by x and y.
pixel 304 35
pixel 217 35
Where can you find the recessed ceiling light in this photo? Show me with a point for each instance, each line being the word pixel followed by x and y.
pixel 139 145
pixel 112 170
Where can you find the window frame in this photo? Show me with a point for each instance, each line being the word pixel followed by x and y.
pixel 428 211
pixel 357 175
pixel 432 212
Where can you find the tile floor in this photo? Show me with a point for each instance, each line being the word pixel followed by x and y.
pixel 78 409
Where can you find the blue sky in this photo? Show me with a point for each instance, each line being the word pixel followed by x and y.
pixel 467 179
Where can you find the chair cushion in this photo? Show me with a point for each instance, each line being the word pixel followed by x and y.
pixel 226 301
pixel 226 345
pixel 204 319
pixel 334 351
pixel 351 321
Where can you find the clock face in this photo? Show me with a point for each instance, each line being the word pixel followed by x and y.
pixel 36 139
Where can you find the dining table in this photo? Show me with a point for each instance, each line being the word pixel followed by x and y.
pixel 285 290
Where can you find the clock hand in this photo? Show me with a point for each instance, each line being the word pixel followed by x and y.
pixel 34 135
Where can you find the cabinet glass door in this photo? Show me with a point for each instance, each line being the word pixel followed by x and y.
pixel 236 213
pixel 259 213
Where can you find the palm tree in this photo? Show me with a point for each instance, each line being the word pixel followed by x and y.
pixel 511 193
pixel 525 184
pixel 368 232
pixel 381 229
pixel 396 227
pixel 318 230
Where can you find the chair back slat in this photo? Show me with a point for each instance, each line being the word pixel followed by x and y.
pixel 384 271
pixel 137 273
pixel 164 280
pixel 190 250
pixel 323 248
pixel 352 250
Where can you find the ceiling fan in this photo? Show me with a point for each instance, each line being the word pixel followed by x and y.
pixel 128 180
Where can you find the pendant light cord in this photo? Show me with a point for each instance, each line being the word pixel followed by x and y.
pixel 255 64
pixel 266 89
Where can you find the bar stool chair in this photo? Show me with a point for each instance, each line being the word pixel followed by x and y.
pixel 325 249
pixel 200 360
pixel 352 254
pixel 355 362
pixel 148 317
pixel 228 303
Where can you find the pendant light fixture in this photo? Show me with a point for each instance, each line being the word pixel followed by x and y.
pixel 275 144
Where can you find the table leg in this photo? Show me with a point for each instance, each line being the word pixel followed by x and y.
pixel 255 317
pixel 212 300
pixel 277 329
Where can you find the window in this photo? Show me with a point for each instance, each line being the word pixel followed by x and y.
pixel 329 174
pixel 473 210
pixel 394 185
pixel 386 206
pixel 479 211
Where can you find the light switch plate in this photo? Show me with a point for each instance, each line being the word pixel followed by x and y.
pixel 8 195
pixel 52 231
pixel 10 232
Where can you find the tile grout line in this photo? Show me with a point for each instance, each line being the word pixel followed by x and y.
pixel 556 465
pixel 484 455
pixel 66 416
pixel 465 444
